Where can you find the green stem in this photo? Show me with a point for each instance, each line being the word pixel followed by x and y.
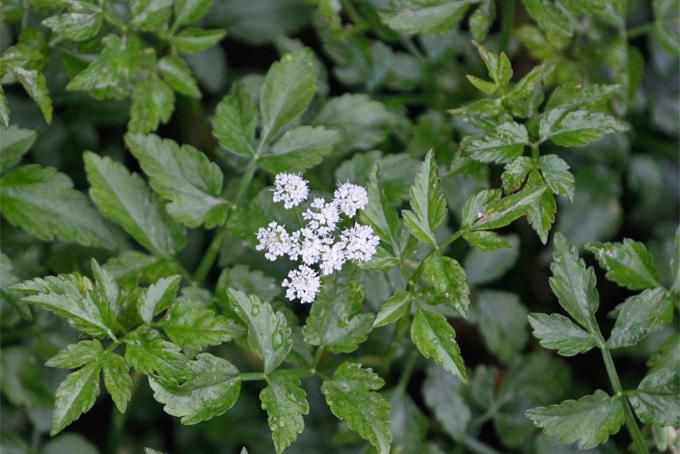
pixel 631 424
pixel 411 46
pixel 252 376
pixel 408 371
pixel 477 446
pixel 507 21
pixel 640 30
pixel 317 358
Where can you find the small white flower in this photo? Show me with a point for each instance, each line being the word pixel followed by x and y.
pixel 332 258
pixel 274 240
pixel 350 198
pixel 302 283
pixel 291 189
pixel 360 242
pixel 321 216
pixel 308 245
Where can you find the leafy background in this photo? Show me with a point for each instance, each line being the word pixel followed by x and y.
pixel 387 80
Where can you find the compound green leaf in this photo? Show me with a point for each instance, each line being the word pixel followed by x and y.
pixel 285 403
pixel 436 339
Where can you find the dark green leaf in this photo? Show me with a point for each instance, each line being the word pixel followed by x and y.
pixel 285 402
pixel 152 103
pixel 395 308
pixel 187 11
pixel 234 122
pixel 191 40
pixel 640 315
pixel 190 324
pixel 299 149
pixel 443 394
pixel 415 16
pixel 484 267
pixel 177 74
pixel 502 321
pixel 76 26
pixel 77 355
pixel 577 128
pixel 657 398
pixel 15 143
pixel 75 396
pixel 557 332
pixel 149 353
pixel 117 380
pixel 557 176
pixel 158 297
pixel 553 20
pixel 628 264
pixel 436 339
pixel 501 145
pixel 498 212
pixel 447 277
pixel 379 214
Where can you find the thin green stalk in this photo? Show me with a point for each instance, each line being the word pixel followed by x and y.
pixel 640 30
pixel 407 372
pixel 631 424
pixel 251 376
pixel 507 22
pixel 317 358
pixel 477 446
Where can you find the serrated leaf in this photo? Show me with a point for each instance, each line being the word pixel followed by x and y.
pixel 177 74
pixel 394 308
pixel 485 241
pixel 157 297
pixel 183 176
pixel 69 296
pixel 502 320
pixel 629 264
pixel 640 315
pixel 577 128
pixel 149 353
pixel 15 143
pixel 525 97
pixel 505 143
pixel 77 26
pixel 126 200
pixel 427 202
pixel 498 66
pixel 139 268
pixel 35 85
pixel 496 212
pixel 589 421
pixel 444 395
pixel 299 149
pixel 555 172
pixel 415 16
pixel 75 396
pixel 516 172
pixel 657 398
pixel 285 402
pixel 151 15
pixel 288 89
pixel 351 397
pixel 212 388
pixel 485 86
pixel 77 355
pixel 482 18
pixel 192 39
pixel 541 214
pixel 378 213
pixel 152 103
pixel 191 325
pixel 251 282
pixel 436 339
pixel 42 201
pixel 557 332
pixel 269 335
pixel 234 122
pixel 554 22
pixel 573 283
pixel 335 321
pixel 117 380
pixel 447 277
pixel 572 95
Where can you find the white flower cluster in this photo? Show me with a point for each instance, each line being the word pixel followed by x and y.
pixel 320 241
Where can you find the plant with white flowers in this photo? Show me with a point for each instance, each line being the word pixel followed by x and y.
pixel 319 241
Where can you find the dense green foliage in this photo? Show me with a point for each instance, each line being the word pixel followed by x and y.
pixel 520 161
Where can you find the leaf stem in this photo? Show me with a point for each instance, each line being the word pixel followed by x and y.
pixel 252 376
pixel 407 372
pixel 631 424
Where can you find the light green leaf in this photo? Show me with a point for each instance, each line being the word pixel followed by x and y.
pixel 485 241
pixel 183 176
pixel 151 15
pixel 125 199
pixel 482 19
pixel 436 339
pixel 541 214
pixel 554 22
pixel 152 103
pixel 192 39
pixel 573 283
pixel 447 277
pixel 573 95
pixel 234 122
pixel 526 96
pixel 482 267
pixel 177 74
pixel 288 89
pixel 15 143
pixel 394 308
pixel 379 213
pixel 212 388
pixel 75 396
pixel 589 421
pixel 427 202
pixel 187 11
pixel 134 266
pixel 149 353
pixel 556 174
pixel 42 201
pixel 77 355
pixel 299 149
pixel 629 264
pixel 69 296
pixel 640 315
pixel 502 321
pixel 495 212
pixel 76 26
pixel 4 109
pixel 557 332
pixel 501 145
pixel 486 87
pixel 268 332
pixel 498 66
pixel 577 128
pixel 191 325
pixel 351 397
pixel 407 424
pixel 335 321
pixel 668 354
pixel 657 398
pixel 444 395
pixel 251 282
pixel 285 402
pixel 158 297
pixel 117 380
pixel 414 16
pixel 35 85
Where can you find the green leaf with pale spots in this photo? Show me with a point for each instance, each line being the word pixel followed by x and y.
pixel 447 276
pixel 628 263
pixel 285 403
pixel 436 339
pixel 75 395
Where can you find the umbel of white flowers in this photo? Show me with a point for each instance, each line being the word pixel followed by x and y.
pixel 319 242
